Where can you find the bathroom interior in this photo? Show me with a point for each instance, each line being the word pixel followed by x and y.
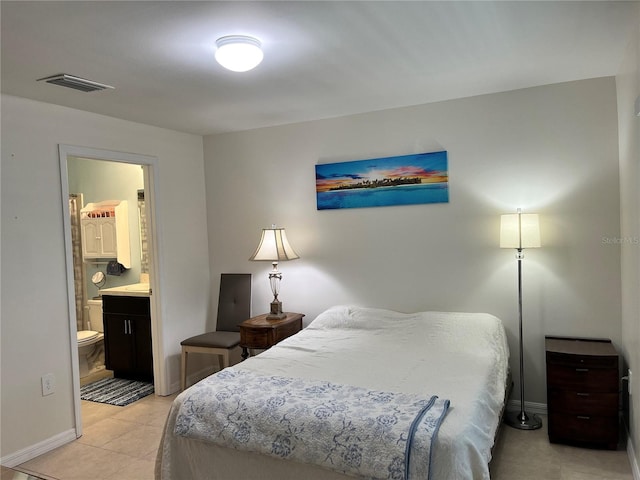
pixel 100 191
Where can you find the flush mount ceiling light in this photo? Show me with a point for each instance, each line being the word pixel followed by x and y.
pixel 239 53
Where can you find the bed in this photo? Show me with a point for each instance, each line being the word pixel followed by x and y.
pixel 456 363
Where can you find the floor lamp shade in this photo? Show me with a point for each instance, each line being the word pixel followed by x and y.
pixel 274 247
pixel 520 231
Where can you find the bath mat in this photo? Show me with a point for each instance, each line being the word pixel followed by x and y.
pixel 116 391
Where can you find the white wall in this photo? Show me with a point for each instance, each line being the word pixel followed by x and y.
pixel 35 317
pixel 628 87
pixel 551 150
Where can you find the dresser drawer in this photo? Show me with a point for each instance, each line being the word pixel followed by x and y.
pixel 583 379
pixel 582 361
pixel 594 430
pixel 583 403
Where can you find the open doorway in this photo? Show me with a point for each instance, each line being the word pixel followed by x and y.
pixel 94 180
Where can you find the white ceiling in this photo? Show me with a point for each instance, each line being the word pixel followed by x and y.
pixel 322 59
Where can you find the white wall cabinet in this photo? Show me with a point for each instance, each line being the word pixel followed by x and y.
pixel 105 232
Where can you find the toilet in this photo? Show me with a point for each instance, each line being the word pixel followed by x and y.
pixel 90 342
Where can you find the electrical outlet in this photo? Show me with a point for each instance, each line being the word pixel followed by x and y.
pixel 48 384
pixel 630 382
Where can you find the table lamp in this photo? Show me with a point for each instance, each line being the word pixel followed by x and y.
pixel 274 247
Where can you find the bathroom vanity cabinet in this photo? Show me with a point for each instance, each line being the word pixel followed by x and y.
pixel 127 336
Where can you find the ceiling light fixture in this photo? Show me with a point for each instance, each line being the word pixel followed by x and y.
pixel 239 53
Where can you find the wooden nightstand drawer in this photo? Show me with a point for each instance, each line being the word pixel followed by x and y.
pixel 583 378
pixel 256 338
pixel 261 332
pixel 582 361
pixel 585 429
pixel 584 403
pixel 287 330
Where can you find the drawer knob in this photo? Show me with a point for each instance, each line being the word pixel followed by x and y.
pixel 580 394
pixel 582 369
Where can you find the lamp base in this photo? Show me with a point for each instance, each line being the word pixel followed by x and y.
pixel 275 312
pixel 522 421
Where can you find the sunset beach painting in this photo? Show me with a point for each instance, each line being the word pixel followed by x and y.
pixel 378 182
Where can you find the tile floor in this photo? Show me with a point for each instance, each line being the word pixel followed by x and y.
pixel 119 443
pixel 11 474
pixel 528 455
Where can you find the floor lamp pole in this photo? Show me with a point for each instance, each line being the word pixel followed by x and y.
pixel 520 419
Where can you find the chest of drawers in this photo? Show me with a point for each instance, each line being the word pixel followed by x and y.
pixel 582 391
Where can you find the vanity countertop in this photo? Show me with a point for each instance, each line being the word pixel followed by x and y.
pixel 133 290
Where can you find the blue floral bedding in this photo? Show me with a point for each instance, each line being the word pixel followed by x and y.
pixel 348 429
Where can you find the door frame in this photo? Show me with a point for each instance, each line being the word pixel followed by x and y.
pixel 150 172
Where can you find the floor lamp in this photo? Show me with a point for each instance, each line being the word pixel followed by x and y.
pixel 520 231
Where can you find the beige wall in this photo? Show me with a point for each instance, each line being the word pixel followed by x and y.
pixel 628 87
pixel 551 150
pixel 35 317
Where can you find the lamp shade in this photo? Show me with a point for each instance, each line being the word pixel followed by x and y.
pixel 274 246
pixel 520 230
pixel 238 53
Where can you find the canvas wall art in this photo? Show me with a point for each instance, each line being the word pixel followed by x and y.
pixel 378 182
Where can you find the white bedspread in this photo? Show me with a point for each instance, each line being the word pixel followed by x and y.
pixel 459 356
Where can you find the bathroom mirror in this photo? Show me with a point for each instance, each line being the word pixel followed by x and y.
pixel 99 279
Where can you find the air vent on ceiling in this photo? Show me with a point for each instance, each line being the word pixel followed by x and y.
pixel 77 83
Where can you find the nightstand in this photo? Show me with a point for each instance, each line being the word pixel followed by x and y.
pixel 262 333
pixel 582 391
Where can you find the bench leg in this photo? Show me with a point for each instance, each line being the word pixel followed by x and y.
pixel 183 370
pixel 224 360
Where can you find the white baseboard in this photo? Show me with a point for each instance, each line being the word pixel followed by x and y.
pixel 26 454
pixel 633 460
pixel 530 407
